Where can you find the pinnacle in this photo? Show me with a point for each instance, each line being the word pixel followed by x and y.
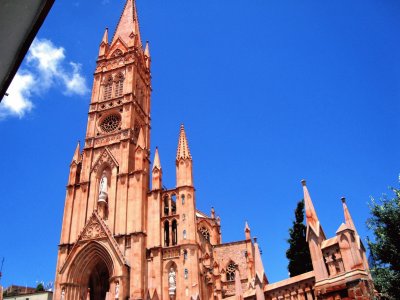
pixel 246 227
pixel 128 24
pixel 76 156
pixel 147 49
pixel 183 147
pixel 105 37
pixel 156 163
pixel 311 214
pixel 140 140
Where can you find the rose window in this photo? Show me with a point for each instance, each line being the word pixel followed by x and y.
pixel 110 123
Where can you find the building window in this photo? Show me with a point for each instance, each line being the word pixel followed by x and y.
pixel 173 208
pixel 128 242
pixel 108 88
pixel 204 231
pixel 185 254
pixel 110 123
pixel 119 85
pixel 183 217
pixel 174 232
pixel 166 234
pixel 186 273
pixel 184 234
pixel 183 199
pixel 166 206
pixel 230 272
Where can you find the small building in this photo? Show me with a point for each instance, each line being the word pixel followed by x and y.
pixel 31 296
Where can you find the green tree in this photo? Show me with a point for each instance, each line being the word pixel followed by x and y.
pixel 385 247
pixel 39 288
pixel 298 253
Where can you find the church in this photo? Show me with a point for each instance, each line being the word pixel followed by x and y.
pixel 125 236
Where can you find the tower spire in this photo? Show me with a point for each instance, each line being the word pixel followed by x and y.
pixel 156 163
pixel 349 222
pixel 311 215
pixel 347 217
pixel 128 25
pixel 105 37
pixel 183 147
pixel 76 156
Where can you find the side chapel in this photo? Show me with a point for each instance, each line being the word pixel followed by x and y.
pixel 124 236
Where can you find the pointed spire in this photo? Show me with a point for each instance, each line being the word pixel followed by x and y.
pixel 76 157
pixel 247 231
pixel 347 216
pixel 238 286
pixel 156 163
pixel 349 221
pixel 147 50
pixel 140 141
pixel 258 264
pixel 311 214
pixel 105 37
pixel 183 147
pixel 128 25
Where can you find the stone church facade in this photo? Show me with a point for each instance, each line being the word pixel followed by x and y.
pixel 124 236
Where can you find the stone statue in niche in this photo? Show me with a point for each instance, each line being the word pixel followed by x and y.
pixel 172 282
pixel 117 290
pixel 103 187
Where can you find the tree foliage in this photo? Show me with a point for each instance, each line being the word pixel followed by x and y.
pixel 385 247
pixel 298 253
pixel 39 287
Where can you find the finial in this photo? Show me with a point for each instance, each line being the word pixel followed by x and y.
pixel 255 240
pixel 303 182
pixel 343 200
pixel 212 212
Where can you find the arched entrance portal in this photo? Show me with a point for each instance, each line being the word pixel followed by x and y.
pixel 91 272
pixel 99 282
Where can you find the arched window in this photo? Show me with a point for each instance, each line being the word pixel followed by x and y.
pixel 166 234
pixel 186 273
pixel 166 206
pixel 184 234
pixel 185 254
pixel 108 88
pixel 183 199
pixel 204 231
pixel 174 232
pixel 119 85
pixel 230 272
pixel 173 204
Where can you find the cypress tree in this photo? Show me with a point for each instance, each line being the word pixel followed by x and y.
pixel 298 253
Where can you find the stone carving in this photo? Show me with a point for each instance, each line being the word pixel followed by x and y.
pixel 104 158
pixel 63 294
pixel 103 188
pixel 93 231
pixel 172 282
pixel 117 290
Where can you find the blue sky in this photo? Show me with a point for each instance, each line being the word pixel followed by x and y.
pixel 270 92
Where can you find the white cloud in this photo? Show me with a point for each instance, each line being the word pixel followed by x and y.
pixel 46 67
pixel 19 102
pixel 75 83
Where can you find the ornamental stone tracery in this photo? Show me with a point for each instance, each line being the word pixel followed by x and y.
pixel 110 123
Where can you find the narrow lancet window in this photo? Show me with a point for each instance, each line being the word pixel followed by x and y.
pixel 119 85
pixel 108 88
pixel 174 232
pixel 166 234
pixel 166 206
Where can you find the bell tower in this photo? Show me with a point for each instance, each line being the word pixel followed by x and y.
pixel 107 189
